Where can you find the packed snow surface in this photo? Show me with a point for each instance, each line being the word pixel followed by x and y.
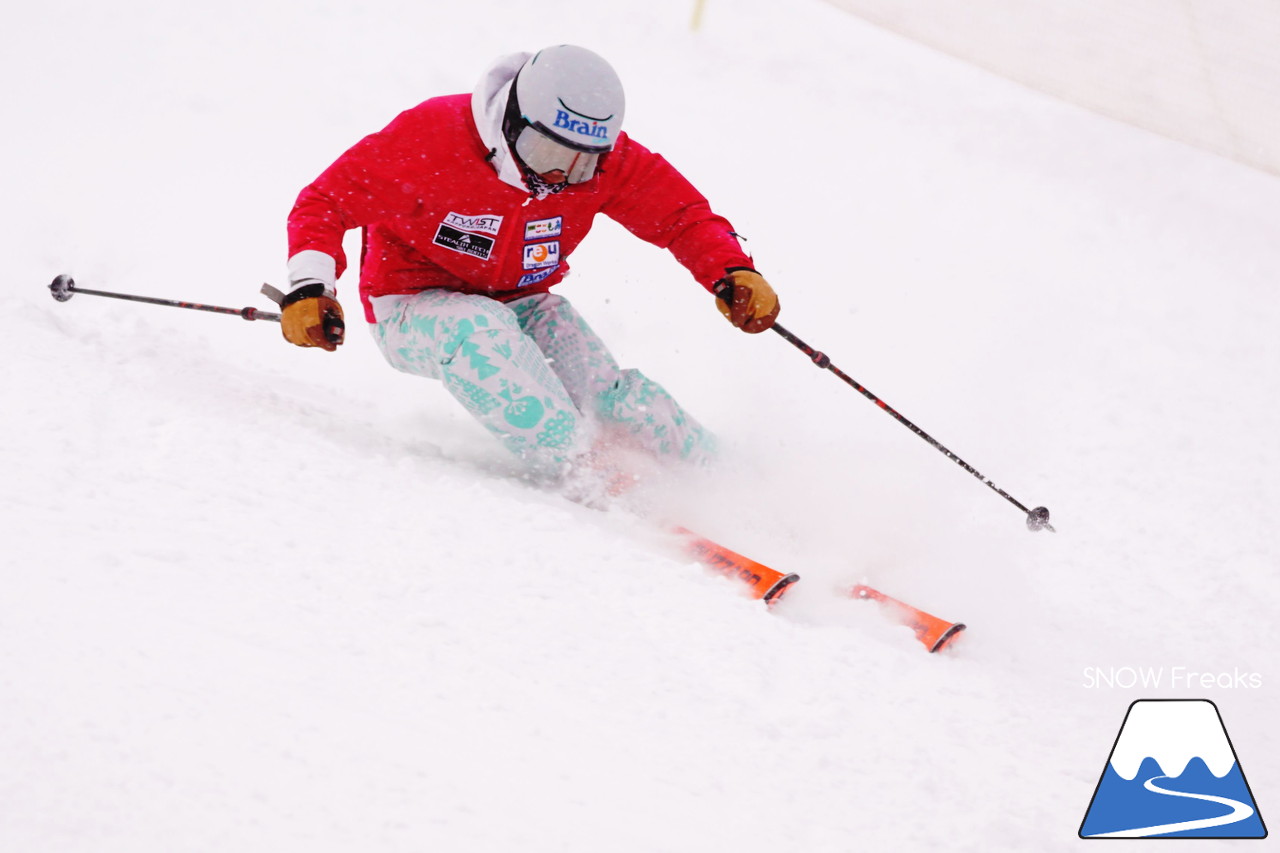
pixel 259 598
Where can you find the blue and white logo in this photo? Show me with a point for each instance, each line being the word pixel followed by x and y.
pixel 1173 773
pixel 534 277
pixel 592 128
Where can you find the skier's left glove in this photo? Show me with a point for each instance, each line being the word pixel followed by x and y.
pixel 747 300
pixel 311 317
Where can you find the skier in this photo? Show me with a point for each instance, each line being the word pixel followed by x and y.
pixel 470 206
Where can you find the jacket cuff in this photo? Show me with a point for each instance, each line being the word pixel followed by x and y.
pixel 311 266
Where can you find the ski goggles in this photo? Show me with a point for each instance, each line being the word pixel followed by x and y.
pixel 543 153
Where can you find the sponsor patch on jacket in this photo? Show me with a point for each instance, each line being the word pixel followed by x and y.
pixel 540 229
pixel 544 254
pixel 484 223
pixel 475 245
pixel 535 277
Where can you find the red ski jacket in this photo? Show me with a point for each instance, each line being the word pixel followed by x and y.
pixel 436 213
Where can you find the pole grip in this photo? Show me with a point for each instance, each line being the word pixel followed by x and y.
pixel 335 330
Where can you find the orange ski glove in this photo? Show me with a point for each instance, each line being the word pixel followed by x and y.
pixel 312 320
pixel 747 300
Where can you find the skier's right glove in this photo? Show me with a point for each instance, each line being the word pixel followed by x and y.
pixel 310 317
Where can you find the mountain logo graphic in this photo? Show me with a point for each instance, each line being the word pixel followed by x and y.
pixel 1173 773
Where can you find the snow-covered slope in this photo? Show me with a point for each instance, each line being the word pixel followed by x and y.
pixel 259 598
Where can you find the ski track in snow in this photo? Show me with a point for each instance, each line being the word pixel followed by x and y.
pixel 260 598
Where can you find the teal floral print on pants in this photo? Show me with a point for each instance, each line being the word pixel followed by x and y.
pixel 534 374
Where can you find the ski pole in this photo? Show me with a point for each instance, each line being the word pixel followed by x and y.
pixel 64 287
pixel 1037 519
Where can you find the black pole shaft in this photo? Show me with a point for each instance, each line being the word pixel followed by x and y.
pixel 1037 519
pixel 64 288
pixel 248 313
pixel 821 360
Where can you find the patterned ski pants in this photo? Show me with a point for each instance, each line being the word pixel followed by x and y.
pixel 535 375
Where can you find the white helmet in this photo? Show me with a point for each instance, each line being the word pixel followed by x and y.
pixel 565 111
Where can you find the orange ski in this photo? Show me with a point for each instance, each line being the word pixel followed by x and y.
pixel 769 585
pixel 763 583
pixel 935 633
